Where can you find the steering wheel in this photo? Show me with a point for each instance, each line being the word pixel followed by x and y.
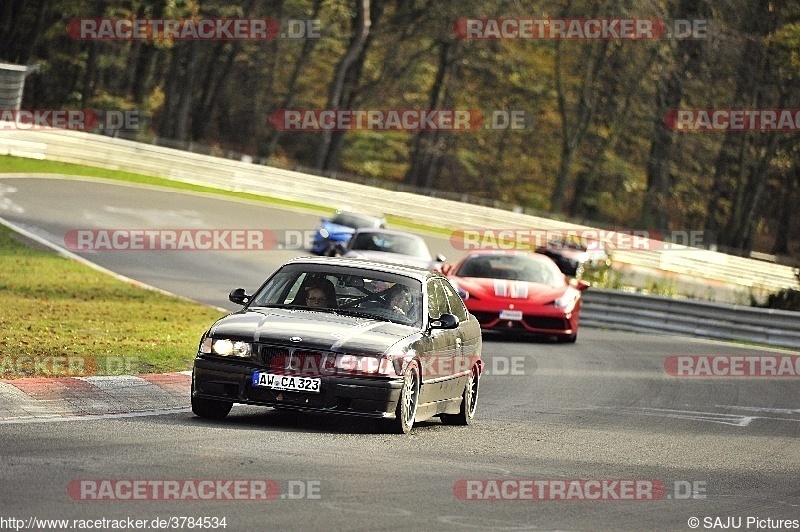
pixel 369 297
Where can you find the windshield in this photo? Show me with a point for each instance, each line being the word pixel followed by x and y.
pixel 354 221
pixel 511 267
pixel 371 294
pixel 392 243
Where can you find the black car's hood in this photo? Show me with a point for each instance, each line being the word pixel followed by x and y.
pixel 317 330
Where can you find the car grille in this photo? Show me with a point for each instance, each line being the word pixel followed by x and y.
pixel 534 322
pixel 556 324
pixel 484 317
pixel 267 353
pixel 296 361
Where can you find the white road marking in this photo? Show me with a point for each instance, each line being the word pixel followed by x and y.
pixel 6 203
pixel 358 508
pixel 763 409
pixel 94 417
pixel 66 253
pixel 711 417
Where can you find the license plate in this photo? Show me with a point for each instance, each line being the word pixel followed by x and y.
pixel 289 383
pixel 515 315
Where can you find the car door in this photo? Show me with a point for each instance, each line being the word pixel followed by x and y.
pixel 467 337
pixel 438 364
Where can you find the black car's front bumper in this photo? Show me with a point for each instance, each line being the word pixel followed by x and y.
pixel 355 396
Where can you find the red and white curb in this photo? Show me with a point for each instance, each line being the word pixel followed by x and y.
pixel 70 398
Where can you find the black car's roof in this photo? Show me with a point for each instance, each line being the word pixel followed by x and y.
pixel 364 264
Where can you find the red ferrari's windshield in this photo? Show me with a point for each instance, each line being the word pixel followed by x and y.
pixel 511 267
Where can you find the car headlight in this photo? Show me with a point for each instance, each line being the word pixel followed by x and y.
pixel 365 365
pixel 226 348
pixel 323 232
pixel 565 302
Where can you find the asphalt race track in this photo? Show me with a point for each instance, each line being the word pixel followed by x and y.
pixel 591 436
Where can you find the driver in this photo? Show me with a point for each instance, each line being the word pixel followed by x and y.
pixel 320 293
pixel 401 301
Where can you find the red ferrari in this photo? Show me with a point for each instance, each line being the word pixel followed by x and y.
pixel 518 292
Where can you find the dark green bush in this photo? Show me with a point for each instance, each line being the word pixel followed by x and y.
pixel 786 299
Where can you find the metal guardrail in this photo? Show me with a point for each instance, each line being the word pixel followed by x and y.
pixel 117 154
pixel 618 310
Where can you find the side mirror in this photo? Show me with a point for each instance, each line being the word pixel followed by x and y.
pixel 239 296
pixel 446 268
pixel 580 284
pixel 445 321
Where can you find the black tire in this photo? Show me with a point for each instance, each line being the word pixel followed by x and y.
pixel 409 399
pixel 469 402
pixel 210 409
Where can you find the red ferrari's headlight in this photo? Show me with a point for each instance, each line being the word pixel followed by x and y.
pixel 565 302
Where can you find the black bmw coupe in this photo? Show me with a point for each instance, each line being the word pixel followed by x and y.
pixel 344 336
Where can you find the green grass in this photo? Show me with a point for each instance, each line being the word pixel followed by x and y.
pixel 93 323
